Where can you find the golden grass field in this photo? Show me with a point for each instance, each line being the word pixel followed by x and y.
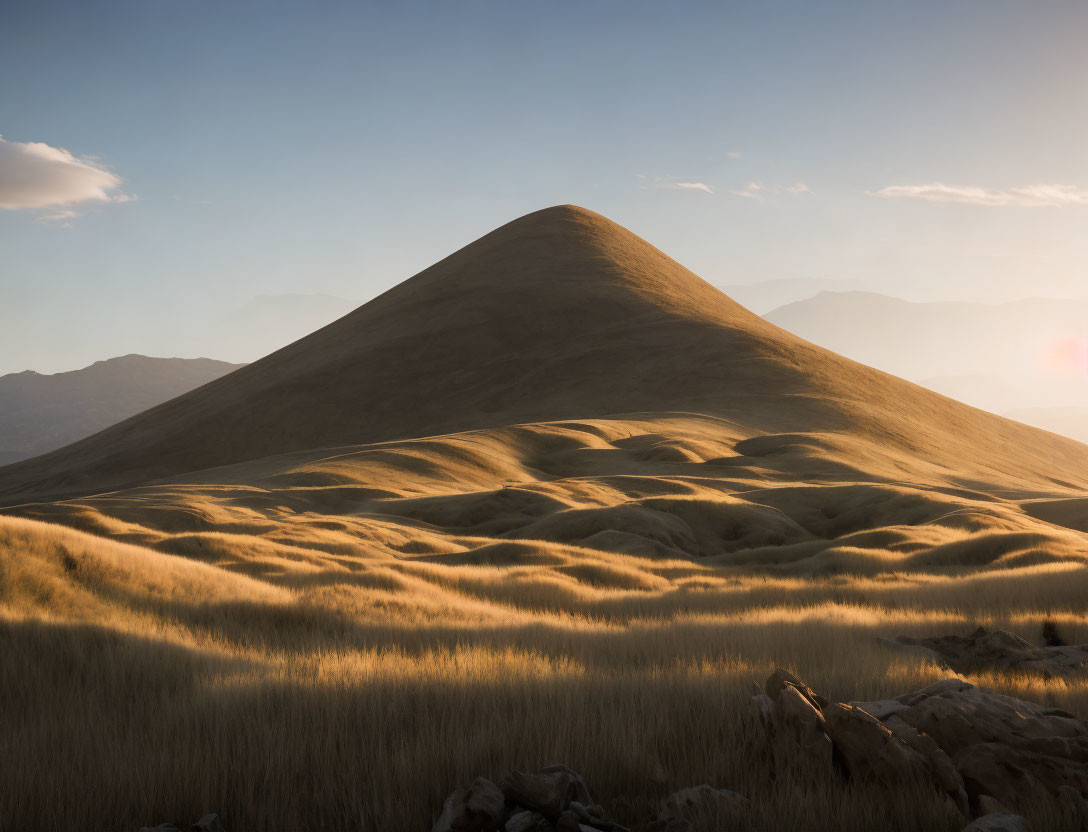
pixel 335 640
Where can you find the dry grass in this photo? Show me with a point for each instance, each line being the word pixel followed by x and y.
pixel 336 639
pixel 341 692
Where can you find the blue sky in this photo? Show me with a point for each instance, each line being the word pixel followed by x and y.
pixel 194 155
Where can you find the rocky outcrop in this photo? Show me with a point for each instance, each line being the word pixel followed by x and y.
pixel 556 799
pixel 479 807
pixel 975 746
pixel 1003 651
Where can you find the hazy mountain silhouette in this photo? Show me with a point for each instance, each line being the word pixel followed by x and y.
pixel 39 413
pixel 768 295
pixel 927 340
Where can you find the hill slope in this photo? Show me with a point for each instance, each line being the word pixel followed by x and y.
pixel 560 314
pixel 40 413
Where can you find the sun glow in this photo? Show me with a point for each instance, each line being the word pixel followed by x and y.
pixel 1066 356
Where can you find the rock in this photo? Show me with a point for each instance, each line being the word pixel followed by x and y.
pixel 586 813
pixel 868 748
pixel 162 827
pixel 526 822
pixel 791 708
pixel 998 822
pixel 703 803
pixel 486 800
pixel 550 791
pixel 1004 651
pixel 781 678
pixel 208 823
pixel 1002 747
pixel 592 817
pixel 984 750
pixel 479 808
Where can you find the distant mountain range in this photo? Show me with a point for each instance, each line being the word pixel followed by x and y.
pixel 39 413
pixel 926 340
pixel 1005 357
pixel 768 295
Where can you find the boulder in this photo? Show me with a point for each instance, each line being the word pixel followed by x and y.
pixel 556 799
pixel 1003 747
pixel 549 791
pixel 998 822
pixel 789 707
pixel 982 749
pixel 703 804
pixel 527 822
pixel 588 814
pixel 208 823
pixel 1003 651
pixel 479 808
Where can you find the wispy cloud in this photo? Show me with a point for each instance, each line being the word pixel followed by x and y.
pixel 35 175
pixel 671 183
pixel 760 191
pixel 1026 196
pixel 63 216
pixel 733 154
pixel 685 186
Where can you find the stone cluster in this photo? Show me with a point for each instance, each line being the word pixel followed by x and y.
pixel 985 751
pixel 556 799
pixel 1003 651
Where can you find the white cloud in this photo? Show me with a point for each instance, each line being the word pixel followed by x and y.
pixel 1026 196
pixel 686 186
pixel 37 175
pixel 733 154
pixel 757 190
